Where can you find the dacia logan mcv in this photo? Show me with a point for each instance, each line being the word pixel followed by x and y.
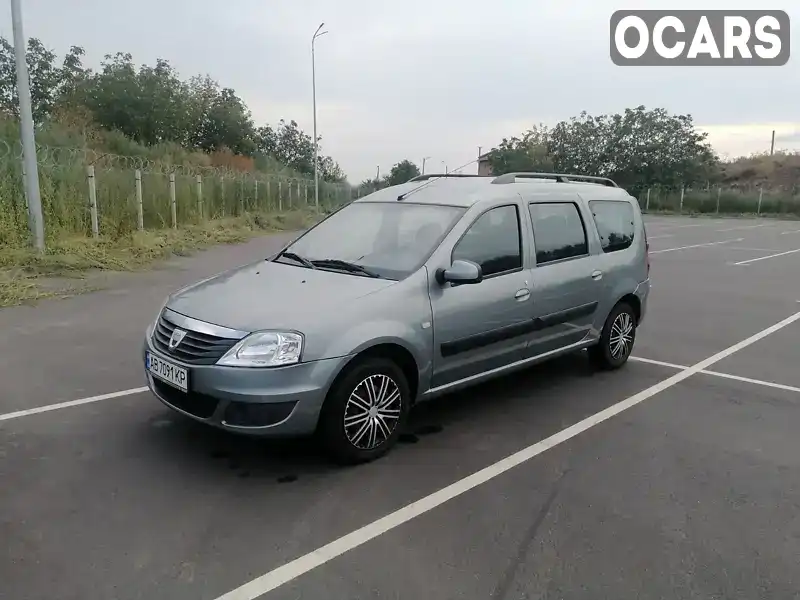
pixel 402 295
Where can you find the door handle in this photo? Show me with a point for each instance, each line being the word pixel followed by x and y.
pixel 597 275
pixel 522 294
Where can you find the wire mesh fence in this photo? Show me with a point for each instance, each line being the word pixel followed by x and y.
pixel 92 193
pixel 726 200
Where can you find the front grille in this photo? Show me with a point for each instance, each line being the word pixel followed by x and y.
pixel 196 348
pixel 199 405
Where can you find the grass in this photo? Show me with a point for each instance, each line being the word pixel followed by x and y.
pixel 25 275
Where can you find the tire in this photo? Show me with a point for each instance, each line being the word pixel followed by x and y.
pixel 364 438
pixel 608 354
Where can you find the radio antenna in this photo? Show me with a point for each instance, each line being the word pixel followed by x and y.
pixel 405 195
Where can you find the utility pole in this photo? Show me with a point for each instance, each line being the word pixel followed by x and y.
pixel 424 158
pixel 479 160
pixel 314 100
pixel 772 145
pixel 35 219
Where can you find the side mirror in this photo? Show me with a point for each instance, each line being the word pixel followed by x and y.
pixel 460 272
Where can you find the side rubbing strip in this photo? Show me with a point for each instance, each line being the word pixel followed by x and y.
pixel 502 334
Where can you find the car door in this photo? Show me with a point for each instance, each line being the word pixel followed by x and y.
pixel 565 279
pixel 483 326
pixel 623 255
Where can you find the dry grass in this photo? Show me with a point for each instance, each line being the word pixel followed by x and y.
pixel 23 272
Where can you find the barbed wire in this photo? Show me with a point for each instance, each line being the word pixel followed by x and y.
pixel 66 157
pixel 70 157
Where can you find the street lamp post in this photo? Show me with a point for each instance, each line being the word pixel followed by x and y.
pixel 35 219
pixel 314 100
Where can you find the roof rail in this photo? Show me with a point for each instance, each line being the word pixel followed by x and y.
pixel 559 177
pixel 436 175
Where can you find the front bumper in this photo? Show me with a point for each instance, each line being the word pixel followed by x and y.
pixel 283 401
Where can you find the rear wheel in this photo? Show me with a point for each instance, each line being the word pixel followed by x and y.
pixel 616 340
pixel 364 412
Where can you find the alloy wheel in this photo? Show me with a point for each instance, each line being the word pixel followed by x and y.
pixel 372 411
pixel 621 338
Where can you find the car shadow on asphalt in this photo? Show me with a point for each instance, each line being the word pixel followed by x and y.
pixel 285 461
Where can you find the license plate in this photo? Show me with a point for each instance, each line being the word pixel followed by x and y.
pixel 166 371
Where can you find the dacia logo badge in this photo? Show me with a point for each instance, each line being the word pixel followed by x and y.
pixel 176 338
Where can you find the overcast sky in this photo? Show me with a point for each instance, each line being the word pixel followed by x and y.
pixel 434 78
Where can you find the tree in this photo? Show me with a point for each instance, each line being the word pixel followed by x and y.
pixel 637 149
pixel 294 148
pixel 49 83
pixel 152 105
pixel 402 172
pixel 290 145
pixel 526 153
pixel 227 124
pixel 330 170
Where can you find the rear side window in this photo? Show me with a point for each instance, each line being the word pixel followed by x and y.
pixel 614 222
pixel 558 231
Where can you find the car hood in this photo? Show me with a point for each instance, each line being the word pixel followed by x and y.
pixel 270 295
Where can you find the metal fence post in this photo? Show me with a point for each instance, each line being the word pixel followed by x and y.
pixel 255 194
pixel 760 198
pixel 222 193
pixel 298 192
pixel 93 200
pixel 269 192
pixel 647 204
pixel 280 198
pixel 305 187
pixel 719 193
pixel 139 207
pixel 199 188
pixel 172 201
pixel 680 210
pixel 241 198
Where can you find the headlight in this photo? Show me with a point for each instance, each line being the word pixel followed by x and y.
pixel 265 349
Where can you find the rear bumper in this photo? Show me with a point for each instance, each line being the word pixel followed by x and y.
pixel 642 292
pixel 284 401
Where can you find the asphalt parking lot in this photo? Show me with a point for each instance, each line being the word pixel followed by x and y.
pixel 676 477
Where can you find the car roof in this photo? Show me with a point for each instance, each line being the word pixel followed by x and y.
pixel 468 191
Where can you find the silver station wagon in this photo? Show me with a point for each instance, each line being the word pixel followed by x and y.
pixel 407 293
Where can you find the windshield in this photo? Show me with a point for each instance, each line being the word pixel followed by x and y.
pixel 390 239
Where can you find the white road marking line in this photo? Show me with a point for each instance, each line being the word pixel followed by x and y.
pixel 60 405
pixel 752 260
pixel 655 237
pixel 743 227
pixel 302 565
pixel 140 390
pixel 696 246
pixel 788 232
pixel 752 249
pixel 667 226
pixel 771 384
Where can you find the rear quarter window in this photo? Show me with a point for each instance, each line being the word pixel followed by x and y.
pixel 615 223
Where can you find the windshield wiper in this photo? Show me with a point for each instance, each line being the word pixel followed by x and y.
pixel 344 266
pixel 303 261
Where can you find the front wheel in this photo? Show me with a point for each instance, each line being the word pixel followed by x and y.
pixel 364 412
pixel 616 340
